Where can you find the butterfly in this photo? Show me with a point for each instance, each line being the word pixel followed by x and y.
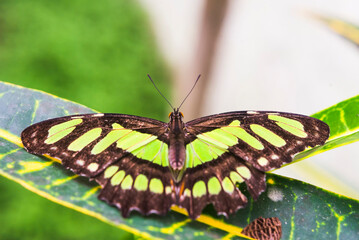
pixel 148 165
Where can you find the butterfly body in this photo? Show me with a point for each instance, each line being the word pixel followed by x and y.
pixel 147 165
pixel 176 146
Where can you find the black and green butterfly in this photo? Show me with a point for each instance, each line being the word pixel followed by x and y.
pixel 147 165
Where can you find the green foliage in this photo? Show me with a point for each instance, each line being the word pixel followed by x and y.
pixel 93 52
pixel 22 216
pixel 342 118
pixel 303 209
pixel 306 212
pixel 90 52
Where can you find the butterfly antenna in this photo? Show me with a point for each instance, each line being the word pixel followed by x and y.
pixel 190 91
pixel 159 91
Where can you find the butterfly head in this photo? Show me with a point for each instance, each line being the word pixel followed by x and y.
pixel 176 114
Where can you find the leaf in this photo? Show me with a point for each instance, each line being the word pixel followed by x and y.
pixel 306 211
pixel 343 121
pixel 343 28
pixel 293 202
pixel 22 107
pixel 342 118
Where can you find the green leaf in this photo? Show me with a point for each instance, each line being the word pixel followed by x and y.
pixel 343 121
pixel 306 211
pixel 295 203
pixel 342 118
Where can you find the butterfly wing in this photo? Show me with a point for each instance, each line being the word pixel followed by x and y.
pixel 126 155
pixel 230 148
pixel 266 140
pixel 216 182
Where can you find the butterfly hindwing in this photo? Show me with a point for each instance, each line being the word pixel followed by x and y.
pixel 134 184
pixel 216 182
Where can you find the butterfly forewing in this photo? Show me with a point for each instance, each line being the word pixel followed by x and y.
pixel 88 144
pixel 266 140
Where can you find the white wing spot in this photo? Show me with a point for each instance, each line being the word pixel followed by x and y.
pixel 93 167
pixel 275 194
pixel 34 141
pixel 289 149
pixel 275 157
pixel 154 211
pixel 299 142
pixel 33 134
pixel 80 162
pixel 98 115
pixel 134 208
pixel 262 161
pixel 65 154
pixel 168 190
pixel 252 112
pixel 54 148
pixel 74 117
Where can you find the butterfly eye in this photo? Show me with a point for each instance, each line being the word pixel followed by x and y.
pixel 181 114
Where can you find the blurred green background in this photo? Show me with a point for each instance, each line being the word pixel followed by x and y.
pixel 96 53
